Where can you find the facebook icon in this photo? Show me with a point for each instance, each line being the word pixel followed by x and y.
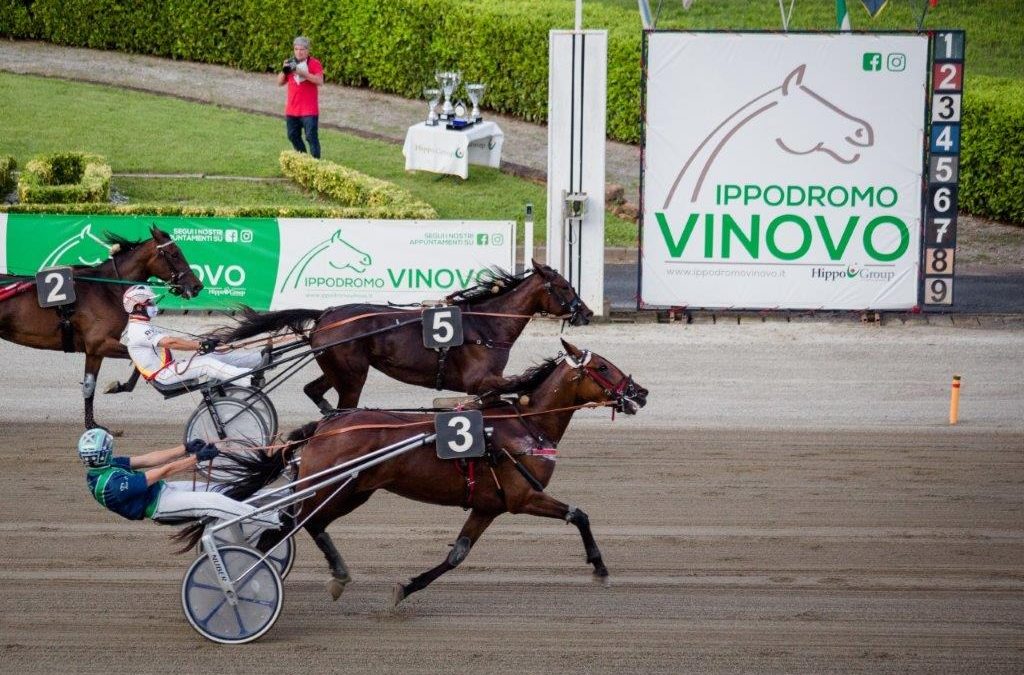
pixel 872 61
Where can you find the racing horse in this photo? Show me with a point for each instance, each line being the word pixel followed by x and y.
pixel 95 322
pixel 511 477
pixel 495 312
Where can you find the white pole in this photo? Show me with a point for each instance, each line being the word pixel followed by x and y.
pixel 579 15
pixel 528 238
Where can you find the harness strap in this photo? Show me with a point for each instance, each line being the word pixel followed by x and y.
pixel 442 357
pixel 67 329
pixel 467 469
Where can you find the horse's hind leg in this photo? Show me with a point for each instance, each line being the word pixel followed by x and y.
pixel 471 531
pixel 315 390
pixel 541 504
pixel 317 528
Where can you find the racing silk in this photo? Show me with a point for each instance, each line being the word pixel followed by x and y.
pixel 142 340
pixel 117 488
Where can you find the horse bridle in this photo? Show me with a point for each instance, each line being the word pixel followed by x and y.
pixel 571 306
pixel 173 282
pixel 620 392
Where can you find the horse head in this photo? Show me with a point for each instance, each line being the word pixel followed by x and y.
pixel 835 132
pixel 555 295
pixel 600 381
pixel 160 257
pixel 344 255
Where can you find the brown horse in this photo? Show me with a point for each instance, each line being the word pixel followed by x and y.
pixel 525 433
pixel 494 314
pixel 96 320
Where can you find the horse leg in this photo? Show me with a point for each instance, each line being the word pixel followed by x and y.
pixel 317 529
pixel 122 387
pixel 471 531
pixel 92 369
pixel 545 506
pixel 315 390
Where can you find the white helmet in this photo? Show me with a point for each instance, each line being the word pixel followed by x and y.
pixel 95 447
pixel 138 294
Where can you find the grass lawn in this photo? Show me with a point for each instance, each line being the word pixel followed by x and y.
pixel 140 133
pixel 995 28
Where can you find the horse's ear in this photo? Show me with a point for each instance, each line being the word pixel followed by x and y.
pixel 157 233
pixel 571 349
pixel 536 265
pixel 336 236
pixel 794 79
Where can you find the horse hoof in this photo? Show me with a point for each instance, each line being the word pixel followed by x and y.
pixel 117 433
pixel 336 586
pixel 397 594
pixel 601 577
pixel 113 388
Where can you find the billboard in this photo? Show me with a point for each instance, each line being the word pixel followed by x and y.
pixel 783 170
pixel 279 263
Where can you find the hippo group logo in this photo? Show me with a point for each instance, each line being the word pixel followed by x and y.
pixel 845 137
pixel 334 254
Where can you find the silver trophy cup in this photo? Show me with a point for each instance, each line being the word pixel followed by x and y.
pixel 449 81
pixel 433 95
pixel 476 94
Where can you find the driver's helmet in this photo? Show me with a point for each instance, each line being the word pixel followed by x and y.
pixel 138 294
pixel 95 447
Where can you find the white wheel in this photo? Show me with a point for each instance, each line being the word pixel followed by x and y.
pixel 282 556
pixel 259 595
pixel 259 401
pixel 241 426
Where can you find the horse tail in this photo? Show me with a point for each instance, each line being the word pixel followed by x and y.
pixel 251 472
pixel 255 323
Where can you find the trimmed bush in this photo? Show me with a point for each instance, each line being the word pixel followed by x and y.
pixel 64 178
pixel 991 160
pixel 7 181
pixel 348 186
pixel 374 212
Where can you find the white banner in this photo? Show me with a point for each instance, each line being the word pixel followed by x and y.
pixel 783 170
pixel 326 262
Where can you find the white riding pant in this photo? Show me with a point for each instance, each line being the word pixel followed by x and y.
pixel 219 366
pixel 178 500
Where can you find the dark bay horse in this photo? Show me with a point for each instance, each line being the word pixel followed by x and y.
pixel 494 313
pixel 526 431
pixel 98 317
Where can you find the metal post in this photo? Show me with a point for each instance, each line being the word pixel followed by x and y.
pixel 528 238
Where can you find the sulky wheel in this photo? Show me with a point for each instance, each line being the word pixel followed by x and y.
pixel 258 592
pixel 259 401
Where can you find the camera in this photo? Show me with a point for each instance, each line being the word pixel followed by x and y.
pixel 289 66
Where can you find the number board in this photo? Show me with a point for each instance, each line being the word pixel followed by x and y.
pixel 940 216
pixel 460 434
pixel 55 286
pixel 442 327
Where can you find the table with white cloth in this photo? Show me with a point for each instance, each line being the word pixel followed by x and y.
pixel 442 150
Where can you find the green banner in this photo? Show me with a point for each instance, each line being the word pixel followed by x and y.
pixel 235 258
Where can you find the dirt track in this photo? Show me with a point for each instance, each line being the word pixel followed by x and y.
pixel 796 544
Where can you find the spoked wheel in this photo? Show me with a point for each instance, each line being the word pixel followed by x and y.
pixel 231 420
pixel 258 592
pixel 260 402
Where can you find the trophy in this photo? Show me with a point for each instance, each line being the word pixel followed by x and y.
pixel 433 95
pixel 476 94
pixel 448 80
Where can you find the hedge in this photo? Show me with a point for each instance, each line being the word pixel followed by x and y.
pixel 991 155
pixel 7 180
pixel 373 212
pixel 64 178
pixel 396 45
pixel 348 186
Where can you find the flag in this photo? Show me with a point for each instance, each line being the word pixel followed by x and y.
pixel 874 7
pixel 842 16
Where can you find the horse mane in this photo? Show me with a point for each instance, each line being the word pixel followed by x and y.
pixel 124 243
pixel 528 381
pixel 493 276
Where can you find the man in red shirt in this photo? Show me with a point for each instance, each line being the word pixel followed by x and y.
pixel 303 74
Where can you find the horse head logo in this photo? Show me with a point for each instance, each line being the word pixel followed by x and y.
pixel 835 132
pixel 84 248
pixel 339 254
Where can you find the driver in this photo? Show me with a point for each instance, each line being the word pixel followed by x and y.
pixel 150 349
pixel 119 486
